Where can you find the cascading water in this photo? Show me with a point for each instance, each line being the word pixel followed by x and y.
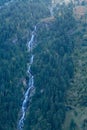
pixel 29 92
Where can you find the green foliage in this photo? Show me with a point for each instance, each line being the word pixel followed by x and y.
pixel 17 20
pixel 52 70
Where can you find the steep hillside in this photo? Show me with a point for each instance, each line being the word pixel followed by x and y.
pixel 76 114
pixel 16 23
pixel 52 70
pixel 58 70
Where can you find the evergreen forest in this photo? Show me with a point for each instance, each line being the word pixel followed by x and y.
pixel 59 100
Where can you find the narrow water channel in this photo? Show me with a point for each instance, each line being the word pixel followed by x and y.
pixel 28 93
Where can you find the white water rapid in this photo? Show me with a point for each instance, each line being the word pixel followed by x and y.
pixel 29 91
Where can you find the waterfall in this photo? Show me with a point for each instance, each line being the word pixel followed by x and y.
pixel 29 91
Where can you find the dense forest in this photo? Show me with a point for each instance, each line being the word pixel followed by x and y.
pixel 59 66
pixel 16 23
pixel 53 68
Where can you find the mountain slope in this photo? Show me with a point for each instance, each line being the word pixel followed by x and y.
pixel 52 69
pixel 16 23
pixel 77 94
pixel 59 66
